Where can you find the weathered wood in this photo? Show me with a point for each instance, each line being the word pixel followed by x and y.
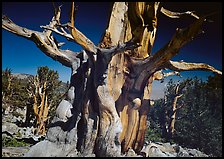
pixel 43 42
pixel 106 107
pixel 40 107
pixel 171 126
pixel 79 38
pixel 178 14
pixel 185 66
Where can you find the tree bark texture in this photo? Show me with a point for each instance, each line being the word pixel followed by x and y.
pixel 106 107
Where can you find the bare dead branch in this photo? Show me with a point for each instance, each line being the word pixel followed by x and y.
pixel 158 61
pixel 108 52
pixel 55 20
pixel 44 41
pixel 171 73
pixel 10 26
pixel 160 75
pixel 184 66
pixel 181 37
pixel 178 14
pixel 79 37
pixel 62 33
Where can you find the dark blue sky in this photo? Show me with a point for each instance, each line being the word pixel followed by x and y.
pixel 22 55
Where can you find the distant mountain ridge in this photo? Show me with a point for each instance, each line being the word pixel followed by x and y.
pixel 21 75
pixel 24 76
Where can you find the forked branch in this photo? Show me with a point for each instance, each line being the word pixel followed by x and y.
pixel 44 41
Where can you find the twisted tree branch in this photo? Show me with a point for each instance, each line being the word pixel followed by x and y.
pixel 80 38
pixel 44 41
pixel 178 14
pixel 182 37
pixel 184 66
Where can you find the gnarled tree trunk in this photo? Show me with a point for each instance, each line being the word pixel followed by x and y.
pixel 106 108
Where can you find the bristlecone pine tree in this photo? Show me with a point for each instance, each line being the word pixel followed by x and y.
pixel 106 108
pixel 41 87
pixel 174 92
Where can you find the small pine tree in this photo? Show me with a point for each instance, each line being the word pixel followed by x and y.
pixel 42 90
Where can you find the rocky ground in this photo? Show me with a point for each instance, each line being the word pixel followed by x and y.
pixel 11 130
pixel 14 151
pixel 150 150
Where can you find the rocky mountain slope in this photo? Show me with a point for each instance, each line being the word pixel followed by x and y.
pixel 11 129
pixel 150 149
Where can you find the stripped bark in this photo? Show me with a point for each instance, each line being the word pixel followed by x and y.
pixel 40 107
pixel 106 107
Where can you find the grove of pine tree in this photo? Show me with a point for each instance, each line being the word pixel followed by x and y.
pixel 38 95
pixel 198 116
pixel 106 107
